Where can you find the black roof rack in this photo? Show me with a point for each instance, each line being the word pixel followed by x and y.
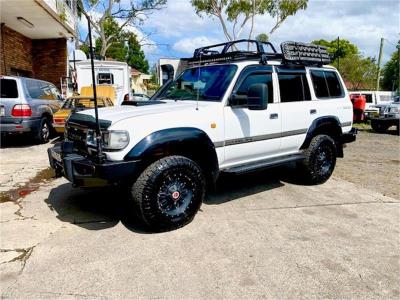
pixel 292 53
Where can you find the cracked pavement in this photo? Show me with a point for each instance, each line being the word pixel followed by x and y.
pixel 258 236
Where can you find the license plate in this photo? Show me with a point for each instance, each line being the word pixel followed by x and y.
pixel 2 111
pixel 56 156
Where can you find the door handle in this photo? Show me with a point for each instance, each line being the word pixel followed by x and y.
pixel 273 116
pixel 313 111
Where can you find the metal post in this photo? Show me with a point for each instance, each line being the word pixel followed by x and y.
pixel 378 77
pixel 338 54
pixel 96 112
pixel 74 88
pixel 398 75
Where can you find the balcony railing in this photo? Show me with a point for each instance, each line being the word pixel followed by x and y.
pixel 65 9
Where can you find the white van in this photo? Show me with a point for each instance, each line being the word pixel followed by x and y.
pixel 113 73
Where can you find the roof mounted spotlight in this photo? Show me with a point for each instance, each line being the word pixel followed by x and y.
pixel 25 22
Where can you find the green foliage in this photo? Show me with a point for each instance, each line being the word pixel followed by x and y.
pixel 124 46
pixel 341 50
pixel 246 10
pixel 390 80
pixel 358 72
pixel 135 55
pixel 262 37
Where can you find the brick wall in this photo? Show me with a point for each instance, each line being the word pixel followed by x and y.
pixel 50 59
pixel 16 52
pixel 41 59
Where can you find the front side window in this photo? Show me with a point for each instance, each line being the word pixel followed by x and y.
pixel 265 78
pixel 293 87
pixel 207 83
pixel 47 92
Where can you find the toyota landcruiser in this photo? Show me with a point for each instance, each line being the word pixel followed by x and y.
pixel 230 111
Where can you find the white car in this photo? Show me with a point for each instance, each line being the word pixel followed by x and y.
pixel 230 112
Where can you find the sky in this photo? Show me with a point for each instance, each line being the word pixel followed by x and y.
pixel 177 30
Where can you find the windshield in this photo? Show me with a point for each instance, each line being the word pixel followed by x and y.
pixel 82 103
pixel 207 83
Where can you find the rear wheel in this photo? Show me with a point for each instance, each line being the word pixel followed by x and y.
pixel 320 159
pixel 169 193
pixel 42 135
pixel 379 126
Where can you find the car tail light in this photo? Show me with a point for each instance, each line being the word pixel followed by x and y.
pixel 126 97
pixel 21 110
pixel 59 121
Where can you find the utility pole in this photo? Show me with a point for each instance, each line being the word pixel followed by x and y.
pixel 338 54
pixel 398 75
pixel 378 77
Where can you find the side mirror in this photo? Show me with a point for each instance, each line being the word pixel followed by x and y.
pixel 257 98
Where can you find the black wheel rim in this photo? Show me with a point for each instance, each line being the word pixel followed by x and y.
pixel 324 159
pixel 175 193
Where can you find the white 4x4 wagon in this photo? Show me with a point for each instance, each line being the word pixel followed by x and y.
pixel 230 111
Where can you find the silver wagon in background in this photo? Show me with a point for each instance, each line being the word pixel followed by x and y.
pixel 27 105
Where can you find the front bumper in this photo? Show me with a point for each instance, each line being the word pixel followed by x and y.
pixel 86 172
pixel 350 136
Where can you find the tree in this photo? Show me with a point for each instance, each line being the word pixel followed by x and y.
pixel 234 15
pixel 99 12
pixel 358 72
pixel 262 37
pixel 338 50
pixel 390 80
pixel 125 47
pixel 135 56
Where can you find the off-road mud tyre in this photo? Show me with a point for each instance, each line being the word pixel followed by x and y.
pixel 43 133
pixel 320 160
pixel 379 126
pixel 169 193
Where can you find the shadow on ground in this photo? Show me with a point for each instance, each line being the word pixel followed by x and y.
pixel 21 140
pixel 97 209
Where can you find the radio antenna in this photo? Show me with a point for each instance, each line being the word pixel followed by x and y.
pixel 96 112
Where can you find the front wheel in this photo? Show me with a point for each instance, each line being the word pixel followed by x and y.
pixel 379 126
pixel 320 159
pixel 169 193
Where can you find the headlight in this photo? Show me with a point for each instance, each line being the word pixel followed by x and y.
pixel 394 109
pixel 115 139
pixel 112 140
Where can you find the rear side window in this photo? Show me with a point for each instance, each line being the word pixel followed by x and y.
pixel 105 78
pixel 8 88
pixel 368 97
pixel 293 87
pixel 255 78
pixel 334 86
pixel 34 88
pixel 326 84
pixel 40 90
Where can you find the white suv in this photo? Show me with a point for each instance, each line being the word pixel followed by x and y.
pixel 229 112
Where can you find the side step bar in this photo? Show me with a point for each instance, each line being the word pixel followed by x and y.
pixel 265 164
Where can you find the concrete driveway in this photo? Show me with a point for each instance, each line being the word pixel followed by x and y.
pixel 259 236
